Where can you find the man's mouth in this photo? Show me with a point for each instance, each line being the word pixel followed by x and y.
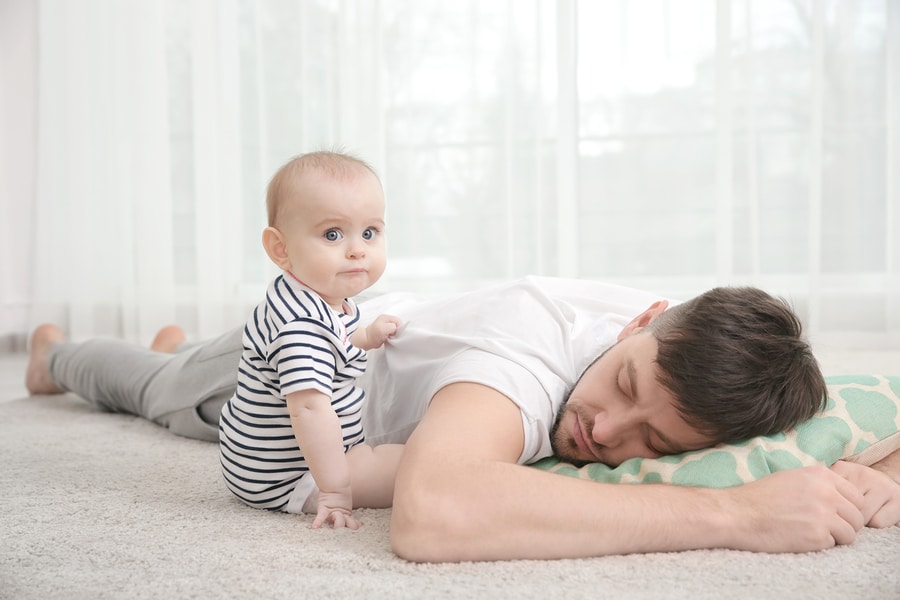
pixel 581 440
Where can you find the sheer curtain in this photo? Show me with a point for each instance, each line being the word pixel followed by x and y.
pixel 668 145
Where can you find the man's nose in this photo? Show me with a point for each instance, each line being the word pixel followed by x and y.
pixel 611 429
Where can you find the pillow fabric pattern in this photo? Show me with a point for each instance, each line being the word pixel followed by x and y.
pixel 860 423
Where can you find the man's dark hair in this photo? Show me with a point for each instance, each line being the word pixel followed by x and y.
pixel 737 364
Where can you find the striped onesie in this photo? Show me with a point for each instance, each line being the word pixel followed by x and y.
pixel 293 341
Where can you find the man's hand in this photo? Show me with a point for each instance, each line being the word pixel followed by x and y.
pixel 797 510
pixel 880 493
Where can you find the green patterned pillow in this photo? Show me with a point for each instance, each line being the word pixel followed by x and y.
pixel 860 423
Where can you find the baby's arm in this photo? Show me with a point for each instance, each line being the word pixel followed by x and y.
pixel 318 433
pixel 377 333
pixel 372 473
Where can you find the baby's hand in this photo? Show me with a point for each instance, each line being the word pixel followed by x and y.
pixel 382 329
pixel 335 509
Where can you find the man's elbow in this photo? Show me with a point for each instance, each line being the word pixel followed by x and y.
pixel 409 539
pixel 425 528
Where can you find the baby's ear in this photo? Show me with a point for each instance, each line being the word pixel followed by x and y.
pixel 273 242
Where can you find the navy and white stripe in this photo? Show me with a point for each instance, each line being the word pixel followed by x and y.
pixel 293 341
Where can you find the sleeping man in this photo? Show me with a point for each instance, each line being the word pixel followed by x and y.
pixel 479 384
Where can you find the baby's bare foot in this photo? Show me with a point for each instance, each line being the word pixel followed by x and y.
pixel 37 374
pixel 168 339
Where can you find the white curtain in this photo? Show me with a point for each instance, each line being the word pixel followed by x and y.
pixel 671 145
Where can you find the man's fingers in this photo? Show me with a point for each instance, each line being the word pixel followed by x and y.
pixel 852 491
pixel 881 494
pixel 887 515
pixel 848 522
pixel 850 512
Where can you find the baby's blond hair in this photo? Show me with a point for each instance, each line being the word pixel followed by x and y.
pixel 334 163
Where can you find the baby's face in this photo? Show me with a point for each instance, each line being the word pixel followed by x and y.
pixel 333 230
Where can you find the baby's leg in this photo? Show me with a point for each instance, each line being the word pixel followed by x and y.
pixel 372 474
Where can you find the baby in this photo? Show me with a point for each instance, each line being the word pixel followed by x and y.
pixel 291 437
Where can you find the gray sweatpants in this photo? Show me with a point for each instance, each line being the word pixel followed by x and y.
pixel 183 392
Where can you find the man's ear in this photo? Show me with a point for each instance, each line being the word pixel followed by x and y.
pixel 273 242
pixel 644 319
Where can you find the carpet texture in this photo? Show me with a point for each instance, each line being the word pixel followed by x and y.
pixel 99 505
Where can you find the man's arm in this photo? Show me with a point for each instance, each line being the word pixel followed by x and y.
pixel 460 496
pixel 890 466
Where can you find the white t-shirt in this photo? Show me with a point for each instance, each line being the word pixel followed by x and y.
pixel 529 339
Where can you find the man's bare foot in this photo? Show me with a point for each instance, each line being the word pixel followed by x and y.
pixel 37 374
pixel 168 339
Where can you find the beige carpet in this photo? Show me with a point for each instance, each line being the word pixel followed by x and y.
pixel 95 505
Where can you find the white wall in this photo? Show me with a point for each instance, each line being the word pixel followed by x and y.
pixel 702 146
pixel 18 99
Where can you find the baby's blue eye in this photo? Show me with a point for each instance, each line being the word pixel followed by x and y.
pixel 333 235
pixel 368 234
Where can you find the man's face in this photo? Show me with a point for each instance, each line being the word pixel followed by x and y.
pixel 618 410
